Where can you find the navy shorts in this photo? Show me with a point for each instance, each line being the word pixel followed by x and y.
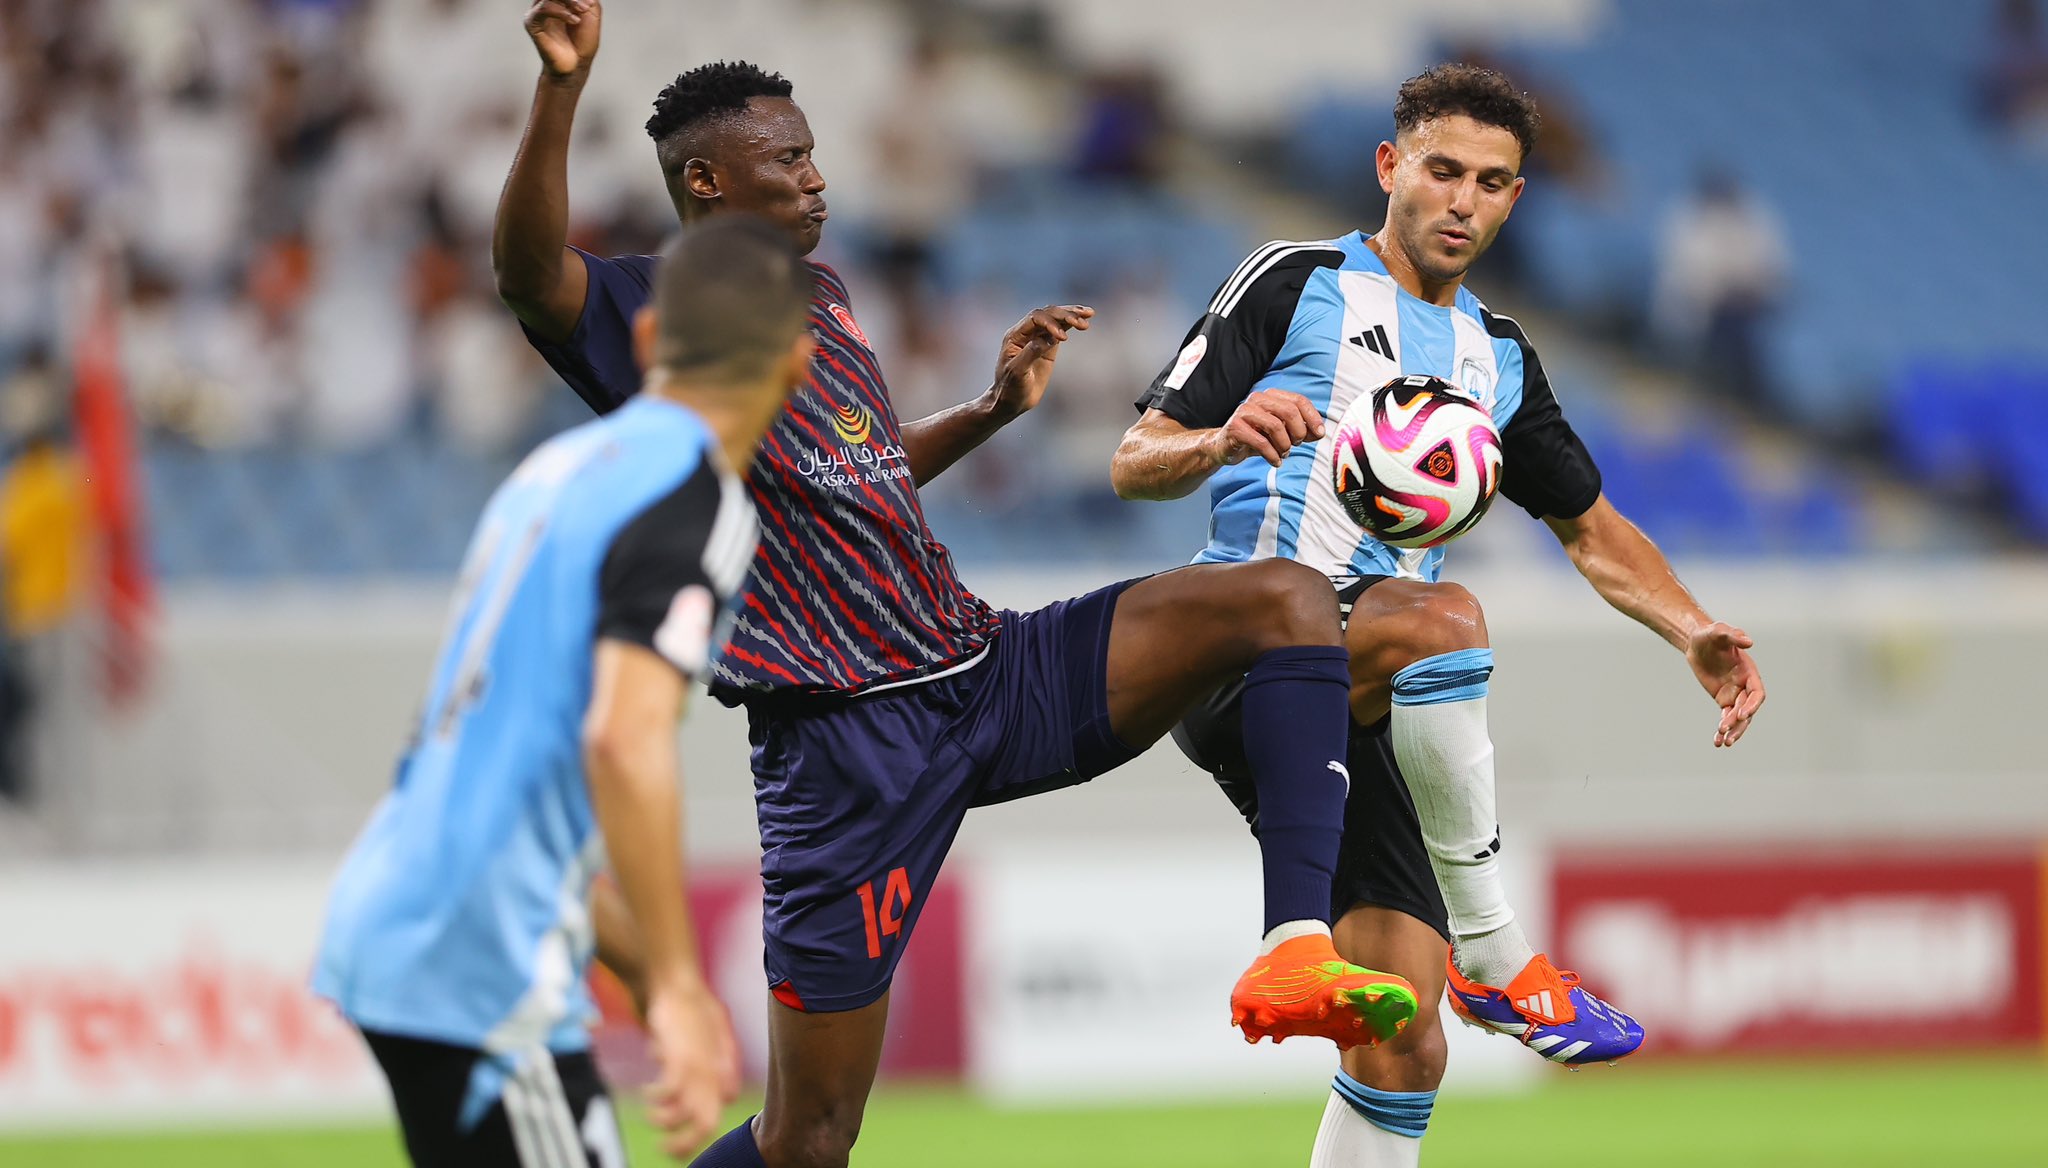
pixel 859 798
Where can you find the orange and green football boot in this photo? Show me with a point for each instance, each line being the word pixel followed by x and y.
pixel 1303 988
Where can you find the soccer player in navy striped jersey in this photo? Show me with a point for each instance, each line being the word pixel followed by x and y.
pixel 1295 335
pixel 885 699
pixel 600 580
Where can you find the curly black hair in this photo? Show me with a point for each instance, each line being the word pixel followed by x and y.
pixel 1484 95
pixel 722 87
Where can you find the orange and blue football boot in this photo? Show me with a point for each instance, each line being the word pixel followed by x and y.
pixel 1550 1012
pixel 1303 988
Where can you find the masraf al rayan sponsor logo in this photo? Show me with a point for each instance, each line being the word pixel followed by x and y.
pixel 848 466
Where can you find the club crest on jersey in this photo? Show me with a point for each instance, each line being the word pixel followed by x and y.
pixel 845 319
pixel 1473 382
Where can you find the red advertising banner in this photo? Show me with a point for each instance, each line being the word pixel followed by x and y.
pixel 927 1030
pixel 169 991
pixel 1822 951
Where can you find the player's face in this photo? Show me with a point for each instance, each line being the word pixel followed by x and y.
pixel 1450 184
pixel 764 166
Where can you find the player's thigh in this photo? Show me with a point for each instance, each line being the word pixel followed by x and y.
pixel 821 1067
pixel 1180 634
pixel 1394 941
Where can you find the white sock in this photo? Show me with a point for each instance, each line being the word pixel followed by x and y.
pixel 1350 1140
pixel 1288 931
pixel 1446 755
pixel 1492 958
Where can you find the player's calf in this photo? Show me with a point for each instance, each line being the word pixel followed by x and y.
pixel 1382 1097
pixel 1401 943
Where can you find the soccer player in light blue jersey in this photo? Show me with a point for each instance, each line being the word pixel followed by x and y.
pixel 1298 333
pixel 460 927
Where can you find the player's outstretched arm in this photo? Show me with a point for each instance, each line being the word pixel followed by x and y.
pixel 539 277
pixel 1159 458
pixel 630 756
pixel 1630 573
pixel 1023 369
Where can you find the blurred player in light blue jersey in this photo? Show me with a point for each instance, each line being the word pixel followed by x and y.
pixel 1297 334
pixel 461 925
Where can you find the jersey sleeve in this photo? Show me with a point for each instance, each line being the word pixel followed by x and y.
pixel 1235 343
pixel 597 358
pixel 1546 469
pixel 671 569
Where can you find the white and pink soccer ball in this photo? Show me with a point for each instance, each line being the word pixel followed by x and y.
pixel 1417 462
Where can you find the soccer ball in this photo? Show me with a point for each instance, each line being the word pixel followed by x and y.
pixel 1417 462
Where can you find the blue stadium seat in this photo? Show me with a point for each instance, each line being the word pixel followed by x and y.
pixel 1895 94
pixel 1942 421
pixel 2022 446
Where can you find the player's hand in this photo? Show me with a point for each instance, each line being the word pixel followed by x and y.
pixel 1269 423
pixel 565 32
pixel 1719 656
pixel 1025 364
pixel 697 1061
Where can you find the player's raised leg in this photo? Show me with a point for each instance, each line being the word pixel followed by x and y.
pixel 1174 639
pixel 1422 650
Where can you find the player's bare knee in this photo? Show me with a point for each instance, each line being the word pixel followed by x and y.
pixel 1287 604
pixel 1426 620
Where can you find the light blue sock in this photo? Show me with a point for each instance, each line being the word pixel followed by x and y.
pixel 1405 1113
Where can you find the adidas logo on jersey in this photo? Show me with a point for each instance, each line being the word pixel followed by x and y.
pixel 1375 339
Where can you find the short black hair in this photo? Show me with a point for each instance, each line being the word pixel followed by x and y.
pixel 730 295
pixel 1484 95
pixel 704 93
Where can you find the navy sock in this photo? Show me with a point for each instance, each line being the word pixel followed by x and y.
pixel 734 1149
pixel 1297 726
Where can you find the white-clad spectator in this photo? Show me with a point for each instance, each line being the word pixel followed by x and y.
pixel 1721 273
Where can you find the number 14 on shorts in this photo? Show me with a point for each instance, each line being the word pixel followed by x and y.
pixel 893 900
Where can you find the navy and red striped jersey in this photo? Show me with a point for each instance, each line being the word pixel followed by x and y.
pixel 849 589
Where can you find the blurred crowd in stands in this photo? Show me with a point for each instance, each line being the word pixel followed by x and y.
pixel 303 192
pixel 294 199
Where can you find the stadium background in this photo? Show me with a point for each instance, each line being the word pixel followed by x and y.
pixel 1781 260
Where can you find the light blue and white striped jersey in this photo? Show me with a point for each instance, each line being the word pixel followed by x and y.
pixel 460 914
pixel 1324 319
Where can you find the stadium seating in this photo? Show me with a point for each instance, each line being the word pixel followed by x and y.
pixel 1893 276
pixel 1889 263
pixel 1876 339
